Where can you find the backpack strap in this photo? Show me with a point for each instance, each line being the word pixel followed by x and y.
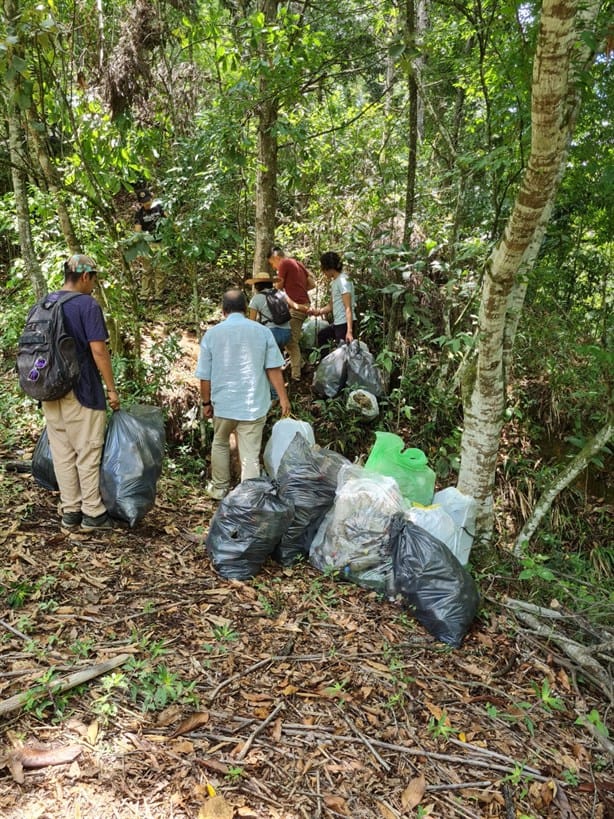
pixel 67 296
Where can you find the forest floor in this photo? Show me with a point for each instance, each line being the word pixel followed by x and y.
pixel 287 696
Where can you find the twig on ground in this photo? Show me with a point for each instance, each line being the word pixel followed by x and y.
pixel 10 628
pixel 580 654
pixel 366 742
pixel 261 727
pixel 65 684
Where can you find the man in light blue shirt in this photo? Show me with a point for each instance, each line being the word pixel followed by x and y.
pixel 239 361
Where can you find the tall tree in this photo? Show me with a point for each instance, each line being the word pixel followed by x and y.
pixel 484 399
pixel 266 170
pixel 18 99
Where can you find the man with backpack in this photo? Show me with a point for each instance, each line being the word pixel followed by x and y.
pixel 76 421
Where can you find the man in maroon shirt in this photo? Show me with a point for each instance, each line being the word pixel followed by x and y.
pixel 296 280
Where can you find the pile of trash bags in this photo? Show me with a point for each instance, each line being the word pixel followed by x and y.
pixel 351 365
pixel 131 462
pixel 355 523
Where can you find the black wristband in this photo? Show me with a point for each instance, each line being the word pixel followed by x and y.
pixel 206 403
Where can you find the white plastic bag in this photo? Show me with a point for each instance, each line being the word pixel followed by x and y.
pixel 436 521
pixel 310 330
pixel 364 403
pixel 282 433
pixel 463 511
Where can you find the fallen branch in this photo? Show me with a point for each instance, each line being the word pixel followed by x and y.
pixel 578 463
pixel 61 685
pixel 581 655
pixel 10 628
pixel 366 742
pixel 540 611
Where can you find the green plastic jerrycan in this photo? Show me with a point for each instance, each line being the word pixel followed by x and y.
pixel 408 467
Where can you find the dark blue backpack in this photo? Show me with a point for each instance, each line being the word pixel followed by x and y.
pixel 47 359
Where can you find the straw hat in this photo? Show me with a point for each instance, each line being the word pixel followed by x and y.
pixel 262 277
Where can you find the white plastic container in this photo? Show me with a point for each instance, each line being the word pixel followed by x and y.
pixel 282 434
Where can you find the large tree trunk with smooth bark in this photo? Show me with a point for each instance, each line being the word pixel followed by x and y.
pixel 585 55
pixel 484 399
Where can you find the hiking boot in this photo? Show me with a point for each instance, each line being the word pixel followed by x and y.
pixel 96 523
pixel 71 521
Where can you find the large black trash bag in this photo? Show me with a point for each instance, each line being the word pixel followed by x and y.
pixel 132 462
pixel 331 374
pixel 441 593
pixel 248 524
pixel 307 479
pixel 362 371
pixel 42 463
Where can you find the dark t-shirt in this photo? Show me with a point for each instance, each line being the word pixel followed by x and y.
pixel 84 321
pixel 149 220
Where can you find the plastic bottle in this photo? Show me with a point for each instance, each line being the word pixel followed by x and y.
pixel 408 467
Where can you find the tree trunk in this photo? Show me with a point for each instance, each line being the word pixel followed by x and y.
pixel 585 55
pixel 266 174
pixel 484 405
pixel 410 186
pixel 17 142
pixel 51 178
pixel 571 471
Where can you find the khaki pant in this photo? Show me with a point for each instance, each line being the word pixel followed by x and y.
pixel 249 441
pixel 293 346
pixel 153 276
pixel 76 437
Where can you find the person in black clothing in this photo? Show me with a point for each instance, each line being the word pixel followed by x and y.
pixel 148 219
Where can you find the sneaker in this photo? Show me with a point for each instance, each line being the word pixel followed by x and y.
pixel 215 494
pixel 71 521
pixel 93 524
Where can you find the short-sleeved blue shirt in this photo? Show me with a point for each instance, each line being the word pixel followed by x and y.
pixel 234 357
pixel 84 321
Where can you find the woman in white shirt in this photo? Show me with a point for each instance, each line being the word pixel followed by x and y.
pixel 342 304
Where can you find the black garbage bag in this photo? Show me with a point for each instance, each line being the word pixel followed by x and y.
pixel 331 373
pixel 307 478
pixel 132 462
pixel 247 526
pixel 42 463
pixel 441 593
pixel 362 371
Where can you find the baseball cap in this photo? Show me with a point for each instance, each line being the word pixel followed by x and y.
pixel 78 263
